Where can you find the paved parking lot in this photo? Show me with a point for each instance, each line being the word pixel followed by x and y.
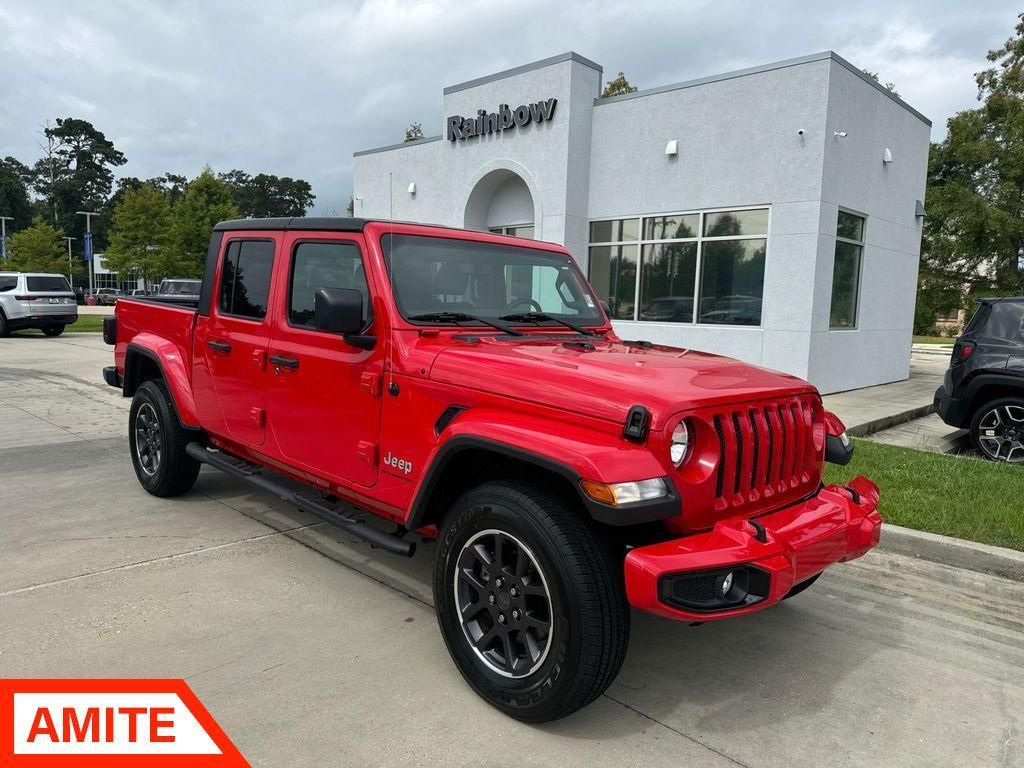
pixel 311 649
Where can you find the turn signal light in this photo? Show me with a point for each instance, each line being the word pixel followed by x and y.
pixel 617 494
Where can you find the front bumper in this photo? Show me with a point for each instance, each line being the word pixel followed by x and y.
pixel 780 549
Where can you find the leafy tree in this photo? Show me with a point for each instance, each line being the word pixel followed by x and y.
pixel 76 173
pixel 206 201
pixel 14 199
pixel 141 235
pixel 890 87
pixel 974 231
pixel 350 209
pixel 414 132
pixel 617 87
pixel 268 195
pixel 38 248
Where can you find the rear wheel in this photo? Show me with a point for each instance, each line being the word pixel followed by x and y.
pixel 5 329
pixel 529 601
pixel 53 330
pixel 158 442
pixel 997 430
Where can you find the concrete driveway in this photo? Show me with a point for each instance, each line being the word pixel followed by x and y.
pixel 311 649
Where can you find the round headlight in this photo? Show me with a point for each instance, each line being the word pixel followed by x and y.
pixel 680 446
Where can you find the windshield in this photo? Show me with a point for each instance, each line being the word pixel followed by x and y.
pixel 48 284
pixel 180 287
pixel 487 280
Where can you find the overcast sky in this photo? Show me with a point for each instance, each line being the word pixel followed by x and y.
pixel 293 88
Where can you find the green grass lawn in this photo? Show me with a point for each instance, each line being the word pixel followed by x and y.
pixel 952 495
pixel 86 324
pixel 934 340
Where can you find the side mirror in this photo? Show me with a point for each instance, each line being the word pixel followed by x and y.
pixel 340 310
pixel 607 309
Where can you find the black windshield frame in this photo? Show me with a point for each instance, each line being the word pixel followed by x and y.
pixel 588 313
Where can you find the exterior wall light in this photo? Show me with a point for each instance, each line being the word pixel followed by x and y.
pixel 412 188
pixel 672 148
pixel 887 155
pixel 839 134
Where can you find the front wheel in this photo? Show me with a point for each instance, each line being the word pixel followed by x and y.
pixel 997 430
pixel 53 330
pixel 529 601
pixel 157 442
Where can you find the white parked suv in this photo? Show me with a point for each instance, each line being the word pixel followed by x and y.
pixel 33 300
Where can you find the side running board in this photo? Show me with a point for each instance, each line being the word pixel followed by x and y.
pixel 339 514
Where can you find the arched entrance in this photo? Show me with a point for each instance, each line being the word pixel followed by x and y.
pixel 501 202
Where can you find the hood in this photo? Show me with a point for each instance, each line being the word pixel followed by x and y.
pixel 609 378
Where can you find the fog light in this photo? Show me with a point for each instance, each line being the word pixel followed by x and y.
pixel 726 584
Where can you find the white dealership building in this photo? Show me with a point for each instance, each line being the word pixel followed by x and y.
pixel 771 214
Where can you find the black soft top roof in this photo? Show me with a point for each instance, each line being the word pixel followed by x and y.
pixel 334 223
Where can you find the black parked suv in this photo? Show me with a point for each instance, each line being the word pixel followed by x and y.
pixel 983 390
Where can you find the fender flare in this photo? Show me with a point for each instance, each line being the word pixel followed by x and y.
pixel 969 401
pixel 169 361
pixel 492 437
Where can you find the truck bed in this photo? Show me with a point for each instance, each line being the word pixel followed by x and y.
pixel 169 323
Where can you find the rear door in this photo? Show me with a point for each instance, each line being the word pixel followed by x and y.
pixel 324 394
pixel 234 345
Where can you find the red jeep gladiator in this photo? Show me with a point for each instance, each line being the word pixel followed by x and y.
pixel 469 387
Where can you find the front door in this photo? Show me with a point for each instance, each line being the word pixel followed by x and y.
pixel 324 394
pixel 237 334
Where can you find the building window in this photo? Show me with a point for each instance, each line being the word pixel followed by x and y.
pixel 846 270
pixel 519 230
pixel 613 266
pixel 699 267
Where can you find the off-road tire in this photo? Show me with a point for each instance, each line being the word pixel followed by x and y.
pixel 797 589
pixel 1016 405
pixel 53 330
pixel 175 471
pixel 589 614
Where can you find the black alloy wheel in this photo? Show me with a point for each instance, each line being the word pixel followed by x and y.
pixel 997 430
pixel 504 603
pixel 148 446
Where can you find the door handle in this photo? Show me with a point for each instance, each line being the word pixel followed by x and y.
pixel 291 363
pixel 220 346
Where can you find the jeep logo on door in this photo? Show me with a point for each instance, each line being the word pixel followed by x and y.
pixel 458 128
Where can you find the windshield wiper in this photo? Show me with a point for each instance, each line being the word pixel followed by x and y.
pixel 462 317
pixel 526 317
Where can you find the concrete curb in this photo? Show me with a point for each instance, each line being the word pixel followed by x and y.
pixel 877 425
pixel 958 553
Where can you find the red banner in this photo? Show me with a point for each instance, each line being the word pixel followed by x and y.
pixel 109 724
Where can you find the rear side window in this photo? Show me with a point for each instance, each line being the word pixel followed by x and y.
pixel 323 265
pixel 48 284
pixel 8 283
pixel 1005 320
pixel 245 278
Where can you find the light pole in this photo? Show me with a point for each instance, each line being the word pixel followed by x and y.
pixel 3 235
pixel 87 246
pixel 71 278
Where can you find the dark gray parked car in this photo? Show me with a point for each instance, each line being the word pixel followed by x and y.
pixel 983 390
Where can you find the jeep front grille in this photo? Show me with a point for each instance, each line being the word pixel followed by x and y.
pixel 764 449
